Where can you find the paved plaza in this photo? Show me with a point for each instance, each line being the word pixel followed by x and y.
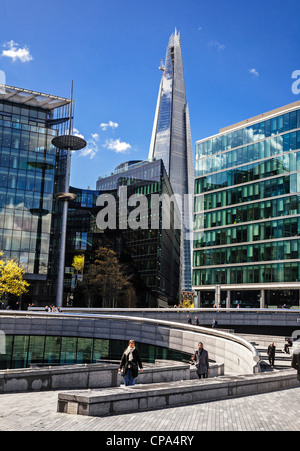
pixel 277 411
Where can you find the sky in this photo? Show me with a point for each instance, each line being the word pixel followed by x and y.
pixel 239 57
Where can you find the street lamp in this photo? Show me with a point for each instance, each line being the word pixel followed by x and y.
pixel 68 143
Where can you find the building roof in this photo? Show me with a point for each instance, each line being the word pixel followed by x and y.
pixel 32 98
pixel 261 117
pixel 124 167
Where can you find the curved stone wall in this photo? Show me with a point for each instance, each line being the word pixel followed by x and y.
pixel 227 318
pixel 237 355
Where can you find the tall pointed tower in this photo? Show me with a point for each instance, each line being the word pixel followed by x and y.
pixel 171 141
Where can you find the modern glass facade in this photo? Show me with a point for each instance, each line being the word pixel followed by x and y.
pixel 23 351
pixel 171 141
pixel 247 216
pixel 152 254
pixel 31 170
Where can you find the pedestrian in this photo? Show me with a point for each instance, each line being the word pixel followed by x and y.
pixel 130 362
pixel 214 323
pixel 189 319
pixel 288 345
pixel 271 353
pixel 296 361
pixel 200 359
pixel 197 321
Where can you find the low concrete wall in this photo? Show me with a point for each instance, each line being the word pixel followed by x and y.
pixel 155 396
pixel 174 371
pixel 57 378
pixel 237 355
pixel 99 375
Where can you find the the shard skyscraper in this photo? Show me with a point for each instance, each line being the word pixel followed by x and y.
pixel 171 141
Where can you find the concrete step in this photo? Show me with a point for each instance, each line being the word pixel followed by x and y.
pixel 278 356
pixel 122 400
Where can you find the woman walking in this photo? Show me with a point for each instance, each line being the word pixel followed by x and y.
pixel 130 363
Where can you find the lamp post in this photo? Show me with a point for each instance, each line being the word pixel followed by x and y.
pixel 67 143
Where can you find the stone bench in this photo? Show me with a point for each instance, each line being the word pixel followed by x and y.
pixel 123 400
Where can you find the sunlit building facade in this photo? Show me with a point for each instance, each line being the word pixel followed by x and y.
pixel 247 213
pixel 31 171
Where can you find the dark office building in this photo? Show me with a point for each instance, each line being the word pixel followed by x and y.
pixel 31 171
pixel 150 254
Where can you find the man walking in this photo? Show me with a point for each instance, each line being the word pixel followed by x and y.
pixel 200 358
pixel 271 353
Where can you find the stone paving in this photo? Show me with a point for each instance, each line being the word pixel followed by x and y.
pixel 277 411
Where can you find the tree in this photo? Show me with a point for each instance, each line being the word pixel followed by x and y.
pixel 78 263
pixel 105 278
pixel 11 278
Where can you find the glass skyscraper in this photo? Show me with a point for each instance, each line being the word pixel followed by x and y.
pixel 31 171
pixel 247 213
pixel 171 141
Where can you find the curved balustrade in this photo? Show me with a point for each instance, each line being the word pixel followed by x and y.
pixel 237 355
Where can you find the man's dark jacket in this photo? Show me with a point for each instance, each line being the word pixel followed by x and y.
pixel 201 361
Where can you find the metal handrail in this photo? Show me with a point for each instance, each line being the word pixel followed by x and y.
pixel 172 309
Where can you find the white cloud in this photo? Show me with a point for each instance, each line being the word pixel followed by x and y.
pixel 109 124
pixel 217 45
pixel 117 146
pixel 16 53
pixel 254 72
pixel 76 133
pixel 91 148
pixel 93 142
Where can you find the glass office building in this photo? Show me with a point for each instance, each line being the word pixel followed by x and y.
pixel 171 141
pixel 247 213
pixel 31 171
pixel 151 254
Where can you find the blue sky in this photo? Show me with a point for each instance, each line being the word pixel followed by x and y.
pixel 238 59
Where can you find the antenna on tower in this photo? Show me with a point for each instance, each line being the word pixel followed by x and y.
pixel 71 111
